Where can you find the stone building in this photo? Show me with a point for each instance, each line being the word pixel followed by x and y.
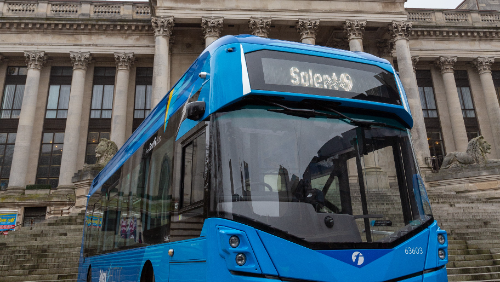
pixel 72 72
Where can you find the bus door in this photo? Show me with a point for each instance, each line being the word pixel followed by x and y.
pixel 188 261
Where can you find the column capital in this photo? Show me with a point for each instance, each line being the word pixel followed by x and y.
pixel 212 27
pixel 385 47
pixel 354 29
pixel 414 61
pixel 483 64
pixel 80 60
pixel 307 28
pixel 124 60
pixel 260 26
pixel 446 64
pixel 35 59
pixel 162 25
pixel 400 30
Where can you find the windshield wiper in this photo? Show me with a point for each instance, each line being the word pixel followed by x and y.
pixel 362 123
pixel 309 113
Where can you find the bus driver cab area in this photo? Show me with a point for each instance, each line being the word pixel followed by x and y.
pixel 319 180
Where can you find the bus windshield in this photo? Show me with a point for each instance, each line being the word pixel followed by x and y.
pixel 317 180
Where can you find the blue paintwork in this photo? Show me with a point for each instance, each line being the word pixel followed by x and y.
pixel 209 257
pixel 413 279
pixel 295 261
pixel 436 276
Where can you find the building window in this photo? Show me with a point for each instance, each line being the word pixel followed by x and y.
pixel 102 95
pixel 431 118
pixel 467 104
pixel 59 90
pixel 436 148
pixel 7 141
pixel 13 92
pixel 143 90
pixel 92 142
pixel 49 163
pixel 428 102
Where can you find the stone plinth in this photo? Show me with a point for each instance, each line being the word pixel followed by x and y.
pixel 82 180
pixel 481 180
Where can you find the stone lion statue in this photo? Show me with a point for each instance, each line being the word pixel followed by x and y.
pixel 104 151
pixel 475 154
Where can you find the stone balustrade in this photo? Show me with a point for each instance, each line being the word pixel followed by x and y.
pixel 453 17
pixel 96 9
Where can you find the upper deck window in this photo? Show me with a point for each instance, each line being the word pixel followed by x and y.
pixel 297 73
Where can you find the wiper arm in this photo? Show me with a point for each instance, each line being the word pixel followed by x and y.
pixel 308 113
pixel 362 123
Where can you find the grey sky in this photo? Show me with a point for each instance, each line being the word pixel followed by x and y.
pixel 435 4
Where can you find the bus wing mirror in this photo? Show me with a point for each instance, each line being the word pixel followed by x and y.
pixel 195 110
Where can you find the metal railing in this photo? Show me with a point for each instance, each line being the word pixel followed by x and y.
pixel 434 163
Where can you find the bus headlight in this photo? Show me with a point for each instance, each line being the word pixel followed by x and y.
pixel 234 241
pixel 441 239
pixel 241 259
pixel 441 254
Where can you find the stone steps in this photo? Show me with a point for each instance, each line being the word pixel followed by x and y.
pixel 474 270
pixel 494 276
pixel 48 251
pixel 473 227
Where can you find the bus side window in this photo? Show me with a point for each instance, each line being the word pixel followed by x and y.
pixel 188 218
pixel 193 169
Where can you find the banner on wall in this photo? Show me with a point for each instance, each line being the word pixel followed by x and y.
pixel 94 221
pixel 8 221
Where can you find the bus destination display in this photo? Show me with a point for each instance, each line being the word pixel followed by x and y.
pixel 298 73
pixel 303 74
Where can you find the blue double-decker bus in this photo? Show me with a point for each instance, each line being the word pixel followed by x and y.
pixel 268 160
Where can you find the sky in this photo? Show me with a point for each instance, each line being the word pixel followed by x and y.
pixel 432 4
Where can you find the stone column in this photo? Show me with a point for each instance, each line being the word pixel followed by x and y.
pixel 17 179
pixel 171 42
pixel 400 32
pixel 72 133
pixel 212 28
pixel 457 119
pixel 119 118
pixel 162 27
pixel 354 31
pixel 308 29
pixel 385 48
pixel 260 26
pixel 483 65
pixel 442 106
